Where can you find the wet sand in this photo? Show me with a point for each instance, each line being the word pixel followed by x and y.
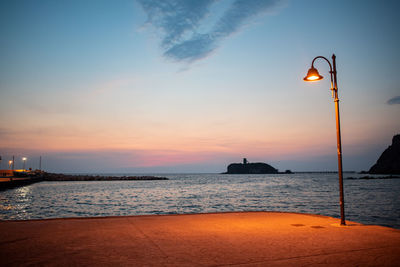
pixel 220 239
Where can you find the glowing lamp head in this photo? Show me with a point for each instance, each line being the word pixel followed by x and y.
pixel 23 158
pixel 313 75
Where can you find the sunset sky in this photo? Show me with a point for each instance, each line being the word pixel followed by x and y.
pixel 190 86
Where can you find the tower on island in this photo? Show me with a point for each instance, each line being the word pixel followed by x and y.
pixel 250 168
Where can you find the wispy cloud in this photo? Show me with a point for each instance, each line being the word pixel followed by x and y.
pixel 180 20
pixel 393 101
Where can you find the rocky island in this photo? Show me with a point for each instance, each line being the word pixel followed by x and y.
pixel 251 168
pixel 389 161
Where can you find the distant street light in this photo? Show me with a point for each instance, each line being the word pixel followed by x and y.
pixel 312 76
pixel 10 162
pixel 24 160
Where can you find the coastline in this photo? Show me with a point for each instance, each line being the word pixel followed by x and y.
pixel 249 238
pixel 196 193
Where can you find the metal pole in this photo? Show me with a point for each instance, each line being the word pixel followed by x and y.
pixel 339 143
pixel 13 163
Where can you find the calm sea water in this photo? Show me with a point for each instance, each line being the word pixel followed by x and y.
pixel 366 201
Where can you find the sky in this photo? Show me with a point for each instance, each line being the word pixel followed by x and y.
pixel 154 86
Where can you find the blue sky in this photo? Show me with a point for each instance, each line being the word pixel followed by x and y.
pixel 190 86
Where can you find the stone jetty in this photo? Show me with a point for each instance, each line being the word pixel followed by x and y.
pixel 80 177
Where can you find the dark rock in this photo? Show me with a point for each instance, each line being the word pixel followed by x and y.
pixel 389 161
pixel 251 168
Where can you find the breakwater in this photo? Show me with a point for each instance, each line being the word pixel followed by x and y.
pixel 26 178
pixel 79 177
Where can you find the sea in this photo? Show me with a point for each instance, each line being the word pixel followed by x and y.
pixel 367 201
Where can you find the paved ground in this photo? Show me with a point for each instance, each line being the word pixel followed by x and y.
pixel 223 239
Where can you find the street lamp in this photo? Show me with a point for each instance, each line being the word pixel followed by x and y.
pixel 24 160
pixel 312 76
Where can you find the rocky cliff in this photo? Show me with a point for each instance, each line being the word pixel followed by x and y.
pixel 389 161
pixel 250 168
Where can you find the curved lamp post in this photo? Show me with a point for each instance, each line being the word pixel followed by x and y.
pixel 312 76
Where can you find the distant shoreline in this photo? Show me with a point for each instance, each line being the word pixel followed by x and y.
pixel 374 177
pixel 325 172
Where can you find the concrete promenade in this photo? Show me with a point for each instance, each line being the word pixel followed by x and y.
pixel 221 239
